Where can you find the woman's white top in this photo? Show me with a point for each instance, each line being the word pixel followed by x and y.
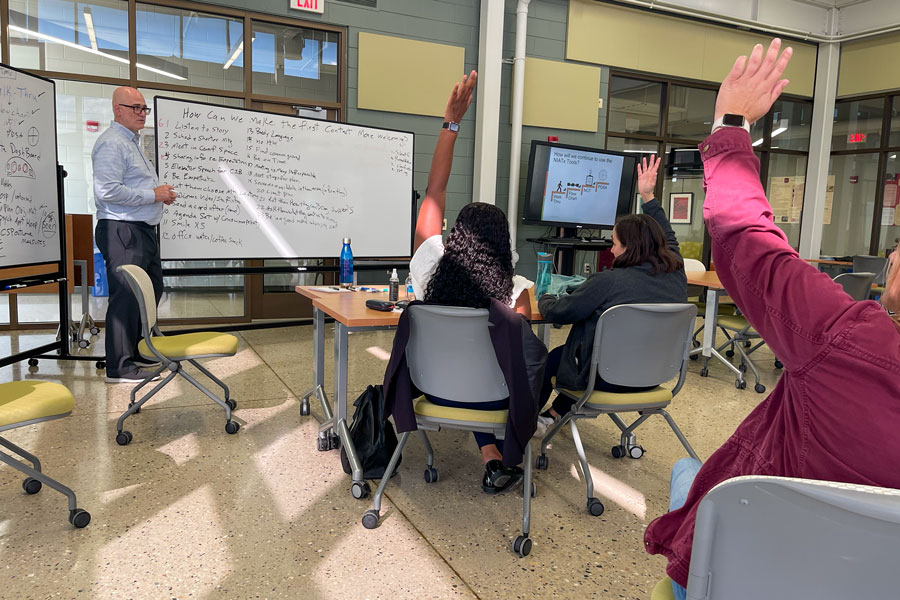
pixel 425 261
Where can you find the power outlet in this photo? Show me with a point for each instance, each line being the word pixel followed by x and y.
pixel 444 225
pixel 587 268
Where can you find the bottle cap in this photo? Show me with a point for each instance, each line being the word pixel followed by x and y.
pixel 346 240
pixel 394 274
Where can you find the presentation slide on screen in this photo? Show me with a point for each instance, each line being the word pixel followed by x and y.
pixel 582 186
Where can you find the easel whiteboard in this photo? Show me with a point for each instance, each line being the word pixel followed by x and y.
pixel 259 185
pixel 29 198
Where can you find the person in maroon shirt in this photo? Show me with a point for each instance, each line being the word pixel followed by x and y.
pixel 835 413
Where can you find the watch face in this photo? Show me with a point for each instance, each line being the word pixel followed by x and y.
pixel 733 120
pixel 453 126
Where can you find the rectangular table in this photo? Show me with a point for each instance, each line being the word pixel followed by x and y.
pixel 348 309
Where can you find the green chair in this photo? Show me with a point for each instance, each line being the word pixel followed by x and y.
pixel 24 403
pixel 171 351
pixel 635 345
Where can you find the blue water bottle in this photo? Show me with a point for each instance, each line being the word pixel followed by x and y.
pixel 544 267
pixel 346 264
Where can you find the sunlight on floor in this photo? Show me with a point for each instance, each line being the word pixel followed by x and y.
pixel 379 353
pixel 621 493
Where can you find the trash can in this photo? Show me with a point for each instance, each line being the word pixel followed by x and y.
pixel 101 286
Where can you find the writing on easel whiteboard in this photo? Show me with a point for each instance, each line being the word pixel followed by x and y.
pixel 29 223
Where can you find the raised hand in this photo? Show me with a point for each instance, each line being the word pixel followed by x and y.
pixel 754 84
pixel 647 177
pixel 460 98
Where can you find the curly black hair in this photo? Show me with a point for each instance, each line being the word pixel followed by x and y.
pixel 477 262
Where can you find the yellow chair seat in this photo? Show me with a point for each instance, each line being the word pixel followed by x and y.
pixel 203 343
pixel 658 395
pixel 736 322
pixel 663 590
pixel 426 409
pixel 877 290
pixel 22 401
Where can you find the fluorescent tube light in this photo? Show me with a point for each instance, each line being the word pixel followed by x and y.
pixel 782 127
pixel 758 142
pixel 89 21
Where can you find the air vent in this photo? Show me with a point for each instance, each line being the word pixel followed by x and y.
pixel 370 3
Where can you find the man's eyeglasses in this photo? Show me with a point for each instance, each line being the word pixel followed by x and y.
pixel 137 108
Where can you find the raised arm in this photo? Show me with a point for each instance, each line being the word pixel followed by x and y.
pixel 796 309
pixel 891 297
pixel 431 215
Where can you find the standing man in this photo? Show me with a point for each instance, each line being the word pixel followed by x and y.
pixel 129 207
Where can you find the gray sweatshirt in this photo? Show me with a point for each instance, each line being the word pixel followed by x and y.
pixel 628 285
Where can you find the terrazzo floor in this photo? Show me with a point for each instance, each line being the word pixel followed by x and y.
pixel 187 511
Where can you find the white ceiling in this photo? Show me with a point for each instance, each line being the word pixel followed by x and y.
pixel 819 20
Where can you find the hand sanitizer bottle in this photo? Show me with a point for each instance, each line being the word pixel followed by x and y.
pixel 394 287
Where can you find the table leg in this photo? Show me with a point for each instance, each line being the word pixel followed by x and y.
pixel 709 334
pixel 544 334
pixel 359 487
pixel 318 371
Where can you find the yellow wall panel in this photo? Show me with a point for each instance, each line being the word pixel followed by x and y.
pixel 407 76
pixel 866 66
pixel 667 45
pixel 560 95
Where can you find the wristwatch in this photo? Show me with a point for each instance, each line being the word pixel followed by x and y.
pixel 453 126
pixel 731 120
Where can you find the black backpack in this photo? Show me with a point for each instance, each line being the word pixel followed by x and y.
pixel 374 437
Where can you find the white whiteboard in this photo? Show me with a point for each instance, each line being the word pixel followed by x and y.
pixel 259 185
pixel 29 201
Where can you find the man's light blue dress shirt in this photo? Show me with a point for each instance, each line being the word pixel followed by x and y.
pixel 123 178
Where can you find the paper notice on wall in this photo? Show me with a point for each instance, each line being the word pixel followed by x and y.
pixel 786 198
pixel 829 199
pixel 887 215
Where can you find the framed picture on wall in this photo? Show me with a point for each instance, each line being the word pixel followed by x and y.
pixel 681 206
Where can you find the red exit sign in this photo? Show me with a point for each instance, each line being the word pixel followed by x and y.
pixel 856 138
pixel 316 6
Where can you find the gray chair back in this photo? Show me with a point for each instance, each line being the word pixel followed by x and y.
pixel 857 285
pixel 450 355
pixel 142 288
pixel 639 345
pixel 775 537
pixel 871 264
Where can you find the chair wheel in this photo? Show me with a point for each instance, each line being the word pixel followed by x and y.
pixel 95 331
pixel 542 462
pixel 729 353
pixel 431 475
pixel 31 485
pixel 522 545
pixel 740 384
pixel 334 441
pixel 370 519
pixel 100 364
pixel 704 372
pixel 747 343
pixel 304 408
pixel 322 444
pixel 742 367
pixel 778 364
pixel 618 451
pixel 694 356
pixel 533 490
pixel 695 344
pixel 595 507
pixel 83 343
pixel 79 518
pixel 360 490
pixel 231 404
pixel 232 427
pixel 759 388
pixel 635 452
pixel 32 362
pixel 123 438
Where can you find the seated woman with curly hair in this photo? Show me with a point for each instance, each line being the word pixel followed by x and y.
pixel 473 267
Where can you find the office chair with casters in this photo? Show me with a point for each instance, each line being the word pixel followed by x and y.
pixel 462 368
pixel 865 263
pixel 857 285
pixel 171 351
pixel 739 336
pixel 635 345
pixel 779 537
pixel 25 403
